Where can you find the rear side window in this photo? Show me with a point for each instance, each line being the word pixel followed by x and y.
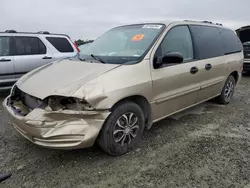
pixel 4 46
pixel 231 41
pixel 61 44
pixel 207 42
pixel 29 46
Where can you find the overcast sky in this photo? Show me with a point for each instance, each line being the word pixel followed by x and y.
pixel 88 19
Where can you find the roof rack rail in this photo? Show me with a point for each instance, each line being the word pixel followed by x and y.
pixel 40 32
pixel 209 22
pixel 43 32
pixel 10 31
pixel 191 21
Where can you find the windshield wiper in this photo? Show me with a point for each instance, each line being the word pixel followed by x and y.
pixel 97 58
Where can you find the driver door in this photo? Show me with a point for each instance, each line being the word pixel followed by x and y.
pixel 175 86
pixel 7 71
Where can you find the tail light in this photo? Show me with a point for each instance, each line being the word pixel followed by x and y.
pixel 78 50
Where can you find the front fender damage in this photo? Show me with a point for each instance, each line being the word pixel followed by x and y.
pixel 92 92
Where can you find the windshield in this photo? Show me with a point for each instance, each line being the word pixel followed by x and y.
pixel 83 47
pixel 124 44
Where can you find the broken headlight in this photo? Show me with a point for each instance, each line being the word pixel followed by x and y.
pixel 68 103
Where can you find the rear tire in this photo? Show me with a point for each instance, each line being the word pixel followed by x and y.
pixel 227 91
pixel 122 130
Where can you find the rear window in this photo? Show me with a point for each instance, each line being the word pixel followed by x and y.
pixel 231 41
pixel 207 42
pixel 61 44
pixel 29 46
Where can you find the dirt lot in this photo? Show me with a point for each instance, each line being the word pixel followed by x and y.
pixel 206 146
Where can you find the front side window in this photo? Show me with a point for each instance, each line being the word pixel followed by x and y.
pixel 178 39
pixel 4 46
pixel 125 43
pixel 29 46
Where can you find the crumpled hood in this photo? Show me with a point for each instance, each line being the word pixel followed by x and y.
pixel 61 78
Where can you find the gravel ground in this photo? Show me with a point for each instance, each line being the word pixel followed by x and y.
pixel 206 146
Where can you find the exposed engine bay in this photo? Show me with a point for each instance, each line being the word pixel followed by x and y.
pixel 24 103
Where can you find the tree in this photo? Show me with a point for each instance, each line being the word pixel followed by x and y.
pixel 80 42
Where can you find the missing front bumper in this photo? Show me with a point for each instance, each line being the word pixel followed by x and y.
pixel 61 129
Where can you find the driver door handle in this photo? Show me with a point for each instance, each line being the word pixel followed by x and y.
pixel 3 60
pixel 194 70
pixel 46 57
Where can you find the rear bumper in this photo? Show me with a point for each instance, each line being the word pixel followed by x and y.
pixel 246 65
pixel 59 130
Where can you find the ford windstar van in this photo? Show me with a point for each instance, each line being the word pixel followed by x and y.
pixel 127 79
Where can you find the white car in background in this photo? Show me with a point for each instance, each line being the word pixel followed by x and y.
pixel 22 52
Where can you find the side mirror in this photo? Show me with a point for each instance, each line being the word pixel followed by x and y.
pixel 172 57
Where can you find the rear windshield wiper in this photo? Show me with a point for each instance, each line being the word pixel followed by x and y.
pixel 97 58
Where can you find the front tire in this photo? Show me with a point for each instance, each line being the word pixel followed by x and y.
pixel 227 91
pixel 122 130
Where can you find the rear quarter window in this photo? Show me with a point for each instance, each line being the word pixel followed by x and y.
pixel 61 44
pixel 207 42
pixel 231 41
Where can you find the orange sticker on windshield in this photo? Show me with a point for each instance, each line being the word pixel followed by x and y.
pixel 138 37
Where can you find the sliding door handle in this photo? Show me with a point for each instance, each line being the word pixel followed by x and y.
pixel 194 70
pixel 208 66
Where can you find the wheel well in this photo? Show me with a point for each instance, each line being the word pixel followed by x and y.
pixel 143 103
pixel 235 75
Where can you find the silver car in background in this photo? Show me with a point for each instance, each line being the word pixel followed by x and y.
pixel 23 52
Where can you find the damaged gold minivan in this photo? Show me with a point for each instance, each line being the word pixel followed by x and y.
pixel 123 82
